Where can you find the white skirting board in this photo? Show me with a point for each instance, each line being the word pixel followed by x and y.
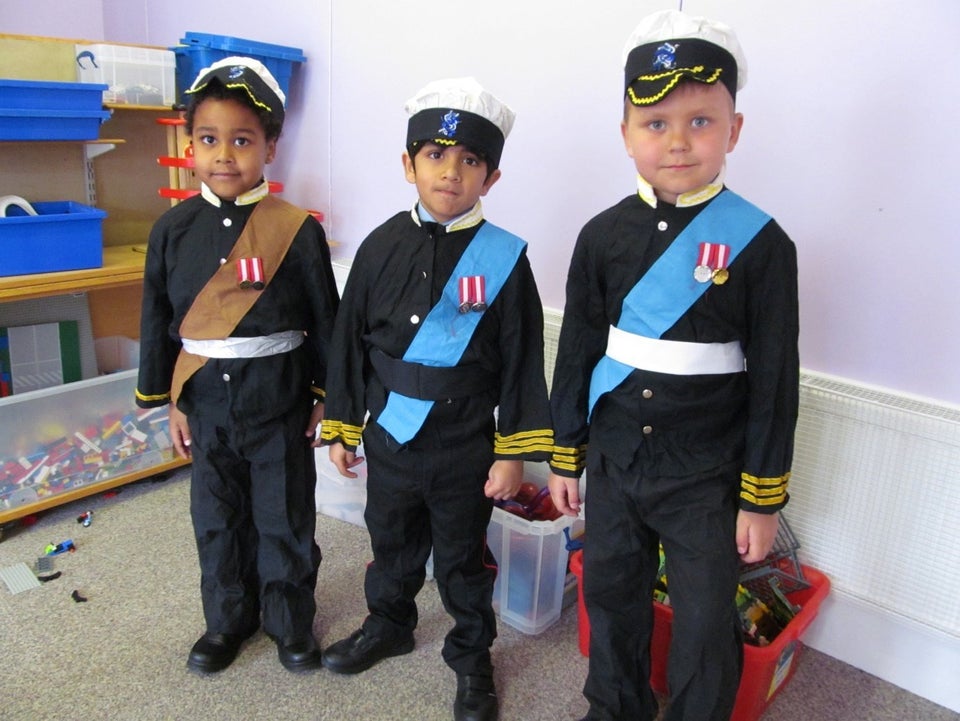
pixel 891 647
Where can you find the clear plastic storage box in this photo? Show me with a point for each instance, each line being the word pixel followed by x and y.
pixel 58 439
pixel 133 75
pixel 532 557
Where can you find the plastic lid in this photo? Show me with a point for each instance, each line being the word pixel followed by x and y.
pixel 241 46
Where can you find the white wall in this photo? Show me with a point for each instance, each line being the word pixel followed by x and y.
pixel 55 18
pixel 840 143
pixel 846 139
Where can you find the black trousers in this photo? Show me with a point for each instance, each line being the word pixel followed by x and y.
pixel 254 516
pixel 627 517
pixel 423 499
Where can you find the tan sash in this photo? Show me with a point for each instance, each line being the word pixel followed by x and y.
pixel 222 303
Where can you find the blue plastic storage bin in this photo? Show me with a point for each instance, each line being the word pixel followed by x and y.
pixel 51 124
pixel 200 50
pixel 41 110
pixel 64 235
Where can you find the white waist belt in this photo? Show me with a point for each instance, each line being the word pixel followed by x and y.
pixel 255 347
pixel 675 357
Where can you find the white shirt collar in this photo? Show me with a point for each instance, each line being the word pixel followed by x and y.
pixel 684 200
pixel 254 195
pixel 469 219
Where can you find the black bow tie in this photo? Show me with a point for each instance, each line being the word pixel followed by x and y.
pixel 434 229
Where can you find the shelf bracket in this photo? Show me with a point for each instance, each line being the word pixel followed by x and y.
pixel 95 150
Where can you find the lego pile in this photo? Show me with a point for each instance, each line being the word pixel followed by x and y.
pixel 120 443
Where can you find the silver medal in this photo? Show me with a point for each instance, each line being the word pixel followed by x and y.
pixel 702 274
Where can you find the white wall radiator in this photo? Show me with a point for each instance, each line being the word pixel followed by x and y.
pixel 876 497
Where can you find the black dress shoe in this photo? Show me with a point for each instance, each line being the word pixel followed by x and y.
pixel 360 651
pixel 476 699
pixel 215 651
pixel 299 654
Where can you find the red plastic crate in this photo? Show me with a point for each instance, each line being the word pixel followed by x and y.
pixel 766 669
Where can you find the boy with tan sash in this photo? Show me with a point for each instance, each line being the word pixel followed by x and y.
pixel 238 307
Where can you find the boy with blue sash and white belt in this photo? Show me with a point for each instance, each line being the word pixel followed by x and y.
pixel 440 325
pixel 676 382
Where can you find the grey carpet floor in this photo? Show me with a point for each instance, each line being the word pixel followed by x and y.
pixel 121 654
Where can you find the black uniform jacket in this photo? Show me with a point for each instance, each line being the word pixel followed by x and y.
pixel 673 425
pixel 397 276
pixel 186 247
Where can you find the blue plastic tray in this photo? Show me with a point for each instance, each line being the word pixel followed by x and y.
pixel 17 124
pixel 64 235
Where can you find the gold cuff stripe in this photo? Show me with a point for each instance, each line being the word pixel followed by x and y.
pixel 569 454
pixel 764 491
pixel 501 450
pixel 333 430
pixel 541 435
pixel 773 501
pixel 544 444
pixel 569 459
pixel 319 392
pixel 160 397
pixel 526 442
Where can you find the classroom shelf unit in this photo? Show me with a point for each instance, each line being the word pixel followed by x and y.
pixel 120 175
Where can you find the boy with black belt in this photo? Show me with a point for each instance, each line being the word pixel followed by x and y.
pixel 440 324
pixel 676 382
pixel 238 307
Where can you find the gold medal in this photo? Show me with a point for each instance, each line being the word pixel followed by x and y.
pixel 720 276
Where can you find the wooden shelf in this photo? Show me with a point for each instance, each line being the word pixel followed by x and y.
pixel 95 141
pixel 122 266
pixel 151 108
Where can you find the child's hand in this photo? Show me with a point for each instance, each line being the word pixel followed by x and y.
pixel 344 460
pixel 316 416
pixel 503 480
pixel 179 432
pixel 565 493
pixel 756 533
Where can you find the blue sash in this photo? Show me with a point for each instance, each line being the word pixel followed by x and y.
pixel 445 333
pixel 668 289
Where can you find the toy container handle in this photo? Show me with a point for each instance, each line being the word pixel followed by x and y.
pixel 87 55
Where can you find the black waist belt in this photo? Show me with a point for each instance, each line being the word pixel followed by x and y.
pixel 430 383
